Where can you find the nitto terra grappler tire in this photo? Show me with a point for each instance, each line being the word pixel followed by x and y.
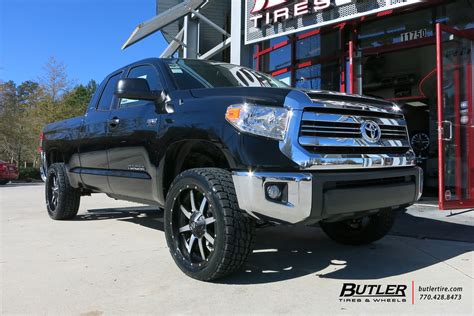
pixel 360 231
pixel 209 237
pixel 62 200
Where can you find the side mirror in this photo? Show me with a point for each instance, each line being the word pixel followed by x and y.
pixel 137 89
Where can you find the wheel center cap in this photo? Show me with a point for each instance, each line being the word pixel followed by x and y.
pixel 197 224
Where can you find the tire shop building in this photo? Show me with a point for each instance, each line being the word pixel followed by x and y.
pixel 417 53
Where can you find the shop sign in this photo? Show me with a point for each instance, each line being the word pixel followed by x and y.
pixel 267 19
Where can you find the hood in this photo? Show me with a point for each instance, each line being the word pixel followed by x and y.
pixel 319 95
pixel 268 96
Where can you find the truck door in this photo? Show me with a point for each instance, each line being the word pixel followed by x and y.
pixel 133 146
pixel 94 139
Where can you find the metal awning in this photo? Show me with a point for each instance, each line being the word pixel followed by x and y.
pixel 161 20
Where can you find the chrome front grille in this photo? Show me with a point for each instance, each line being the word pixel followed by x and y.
pixel 329 130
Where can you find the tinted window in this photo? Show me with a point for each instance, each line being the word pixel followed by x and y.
pixel 144 72
pixel 108 93
pixel 195 74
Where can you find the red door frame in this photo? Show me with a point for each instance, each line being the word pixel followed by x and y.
pixel 351 67
pixel 443 204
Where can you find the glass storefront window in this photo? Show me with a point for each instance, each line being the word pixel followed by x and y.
pixel 319 76
pixel 277 59
pixel 396 29
pixel 308 47
pixel 415 25
pixel 279 55
pixel 459 14
pixel 319 45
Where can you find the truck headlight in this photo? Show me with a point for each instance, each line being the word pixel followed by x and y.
pixel 260 120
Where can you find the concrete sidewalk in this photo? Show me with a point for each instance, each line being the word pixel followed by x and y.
pixel 425 221
pixel 113 259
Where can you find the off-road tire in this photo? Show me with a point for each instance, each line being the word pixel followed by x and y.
pixel 234 229
pixel 377 227
pixel 68 198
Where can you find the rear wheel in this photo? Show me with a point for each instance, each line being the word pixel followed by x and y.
pixel 62 200
pixel 3 182
pixel 208 235
pixel 362 230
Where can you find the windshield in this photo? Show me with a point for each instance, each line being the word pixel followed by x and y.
pixel 196 74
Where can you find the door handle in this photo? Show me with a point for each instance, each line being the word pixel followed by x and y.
pixel 449 126
pixel 113 123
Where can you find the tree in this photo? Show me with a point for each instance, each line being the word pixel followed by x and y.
pixel 16 126
pixel 75 102
pixel 55 82
pixel 26 108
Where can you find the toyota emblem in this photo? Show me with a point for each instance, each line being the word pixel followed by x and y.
pixel 371 131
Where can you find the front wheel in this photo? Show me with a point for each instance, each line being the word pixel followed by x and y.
pixel 209 237
pixel 362 230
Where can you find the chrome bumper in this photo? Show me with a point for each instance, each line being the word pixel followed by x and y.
pixel 308 200
pixel 250 189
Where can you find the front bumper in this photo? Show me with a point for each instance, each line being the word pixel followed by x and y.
pixel 310 197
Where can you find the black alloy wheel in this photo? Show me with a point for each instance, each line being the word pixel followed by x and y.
pixel 209 237
pixel 193 225
pixel 62 200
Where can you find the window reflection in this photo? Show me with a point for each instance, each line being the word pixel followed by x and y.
pixel 320 77
pixel 277 59
pixel 308 47
pixel 285 78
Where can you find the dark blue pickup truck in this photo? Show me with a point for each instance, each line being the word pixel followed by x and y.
pixel 223 148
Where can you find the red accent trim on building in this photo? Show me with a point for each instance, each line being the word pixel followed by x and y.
pixel 351 67
pixel 470 131
pixel 304 64
pixel 457 132
pixel 309 34
pixel 265 51
pixel 280 45
pixel 384 13
pixel 343 80
pixel 340 25
pixel 439 66
pixel 279 72
pixel 270 49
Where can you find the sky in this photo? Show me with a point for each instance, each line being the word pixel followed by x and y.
pixel 86 35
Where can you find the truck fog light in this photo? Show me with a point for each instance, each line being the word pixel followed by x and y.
pixel 274 192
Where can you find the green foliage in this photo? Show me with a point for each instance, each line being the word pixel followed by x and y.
pixel 29 173
pixel 26 108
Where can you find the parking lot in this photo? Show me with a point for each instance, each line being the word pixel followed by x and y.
pixel 113 259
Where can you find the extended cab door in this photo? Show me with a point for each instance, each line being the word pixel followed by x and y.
pixel 132 151
pixel 94 137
